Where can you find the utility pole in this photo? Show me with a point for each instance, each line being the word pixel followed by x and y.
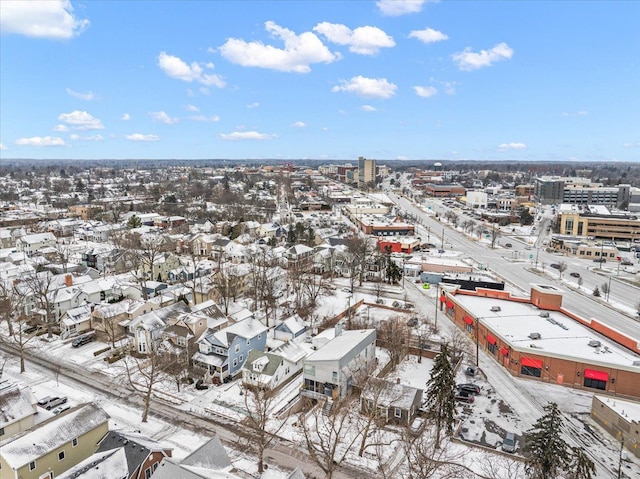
pixel 442 238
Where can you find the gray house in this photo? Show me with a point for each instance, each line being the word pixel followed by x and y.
pixel 223 353
pixel 393 402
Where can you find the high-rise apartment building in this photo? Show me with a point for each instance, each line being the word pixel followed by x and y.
pixel 366 171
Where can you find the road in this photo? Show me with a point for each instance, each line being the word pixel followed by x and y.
pixel 284 453
pixel 515 267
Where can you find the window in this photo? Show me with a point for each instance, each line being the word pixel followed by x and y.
pixel 235 362
pixel 32 465
pixel 147 473
pixel 155 466
pixel 60 455
pixel 241 358
pixel 248 341
pixel 531 371
pixel 595 383
pixel 397 412
pixel 334 376
pixel 181 341
pixel 74 442
pixel 1 431
pixel 237 348
pixel 260 336
pixel 492 348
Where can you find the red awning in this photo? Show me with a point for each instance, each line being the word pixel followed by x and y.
pixel 442 298
pixel 491 339
pixel 531 363
pixel 504 351
pixel 468 320
pixel 597 375
pixel 449 304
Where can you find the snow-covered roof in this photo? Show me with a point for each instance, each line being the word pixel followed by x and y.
pixel 389 394
pixel 630 410
pixel 291 351
pixel 15 403
pixel 211 455
pixel 560 335
pixel 343 344
pixel 49 435
pixel 101 465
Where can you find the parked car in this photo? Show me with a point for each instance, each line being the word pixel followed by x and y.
pixel 509 442
pixel 413 322
pixel 471 371
pixel 469 387
pixel 200 385
pixel 626 262
pixel 82 340
pixel 599 260
pixel 508 245
pixel 555 265
pixel 379 301
pixel 60 409
pixel 50 402
pixel 463 396
pixel 528 247
pixel 417 426
pixel 30 329
pixel 574 275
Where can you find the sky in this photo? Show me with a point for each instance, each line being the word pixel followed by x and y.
pixel 334 80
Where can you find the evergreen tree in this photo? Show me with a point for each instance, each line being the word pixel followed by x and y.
pixel 596 292
pixel 440 398
pixel 134 222
pixel 581 467
pixel 394 273
pixel 546 452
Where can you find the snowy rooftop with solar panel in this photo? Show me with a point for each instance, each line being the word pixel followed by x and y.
pixel 551 333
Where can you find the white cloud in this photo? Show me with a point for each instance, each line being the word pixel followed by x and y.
pixel 367 87
pixel 40 141
pixel 75 136
pixel 512 146
pixel 3 148
pixel 83 96
pixel 468 60
pixel 126 117
pixel 41 19
pixel 192 108
pixel 396 8
pixel 177 68
pixel 449 87
pixel 141 137
pixel 246 135
pixel 363 40
pixel 298 53
pixel 205 118
pixel 299 124
pixel 60 128
pixel 81 120
pixel 368 108
pixel 425 91
pixel 162 117
pixel 577 113
pixel 428 35
pixel 253 105
pixel 632 145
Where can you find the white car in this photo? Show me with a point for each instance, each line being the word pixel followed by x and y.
pixel 60 409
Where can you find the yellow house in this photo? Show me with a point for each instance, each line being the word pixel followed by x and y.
pixel 54 445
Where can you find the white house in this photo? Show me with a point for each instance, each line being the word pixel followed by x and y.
pixel 271 370
pixel 333 368
pixel 30 244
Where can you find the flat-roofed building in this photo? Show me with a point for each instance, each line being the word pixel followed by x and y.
pixel 619 418
pixel 536 338
pixel 366 172
pixel 598 221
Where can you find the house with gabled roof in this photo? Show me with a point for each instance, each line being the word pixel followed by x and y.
pixel 222 353
pixel 142 454
pixel 18 407
pixel 51 447
pixel 290 328
pixel 147 329
pixel 31 244
pixel 391 401
pixel 273 369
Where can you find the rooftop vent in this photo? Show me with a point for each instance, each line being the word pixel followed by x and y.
pixel 495 309
pixel 544 314
pixel 534 336
pixel 594 343
pixel 636 363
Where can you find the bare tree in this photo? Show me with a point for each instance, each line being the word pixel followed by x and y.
pixel 327 435
pixel 42 288
pixel 20 333
pixel 260 405
pixel 604 288
pixel 225 284
pixel 459 344
pixel 499 467
pixel 562 267
pixel 393 334
pixel 361 249
pixel 144 373
pixel 375 398
pixel 495 234
pixel 424 459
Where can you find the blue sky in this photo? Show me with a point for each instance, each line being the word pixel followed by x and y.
pixel 388 79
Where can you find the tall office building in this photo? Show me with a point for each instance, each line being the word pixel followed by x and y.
pixel 366 171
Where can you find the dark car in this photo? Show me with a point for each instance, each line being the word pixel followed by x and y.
pixel 574 275
pixel 413 322
pixel 82 340
pixel 469 388
pixel 599 260
pixel 508 245
pixel 555 265
pixel 470 371
pixel 463 396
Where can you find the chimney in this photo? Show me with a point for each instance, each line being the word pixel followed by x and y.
pixel 338 329
pixel 68 280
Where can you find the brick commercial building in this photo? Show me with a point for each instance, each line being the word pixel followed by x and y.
pixel 536 338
